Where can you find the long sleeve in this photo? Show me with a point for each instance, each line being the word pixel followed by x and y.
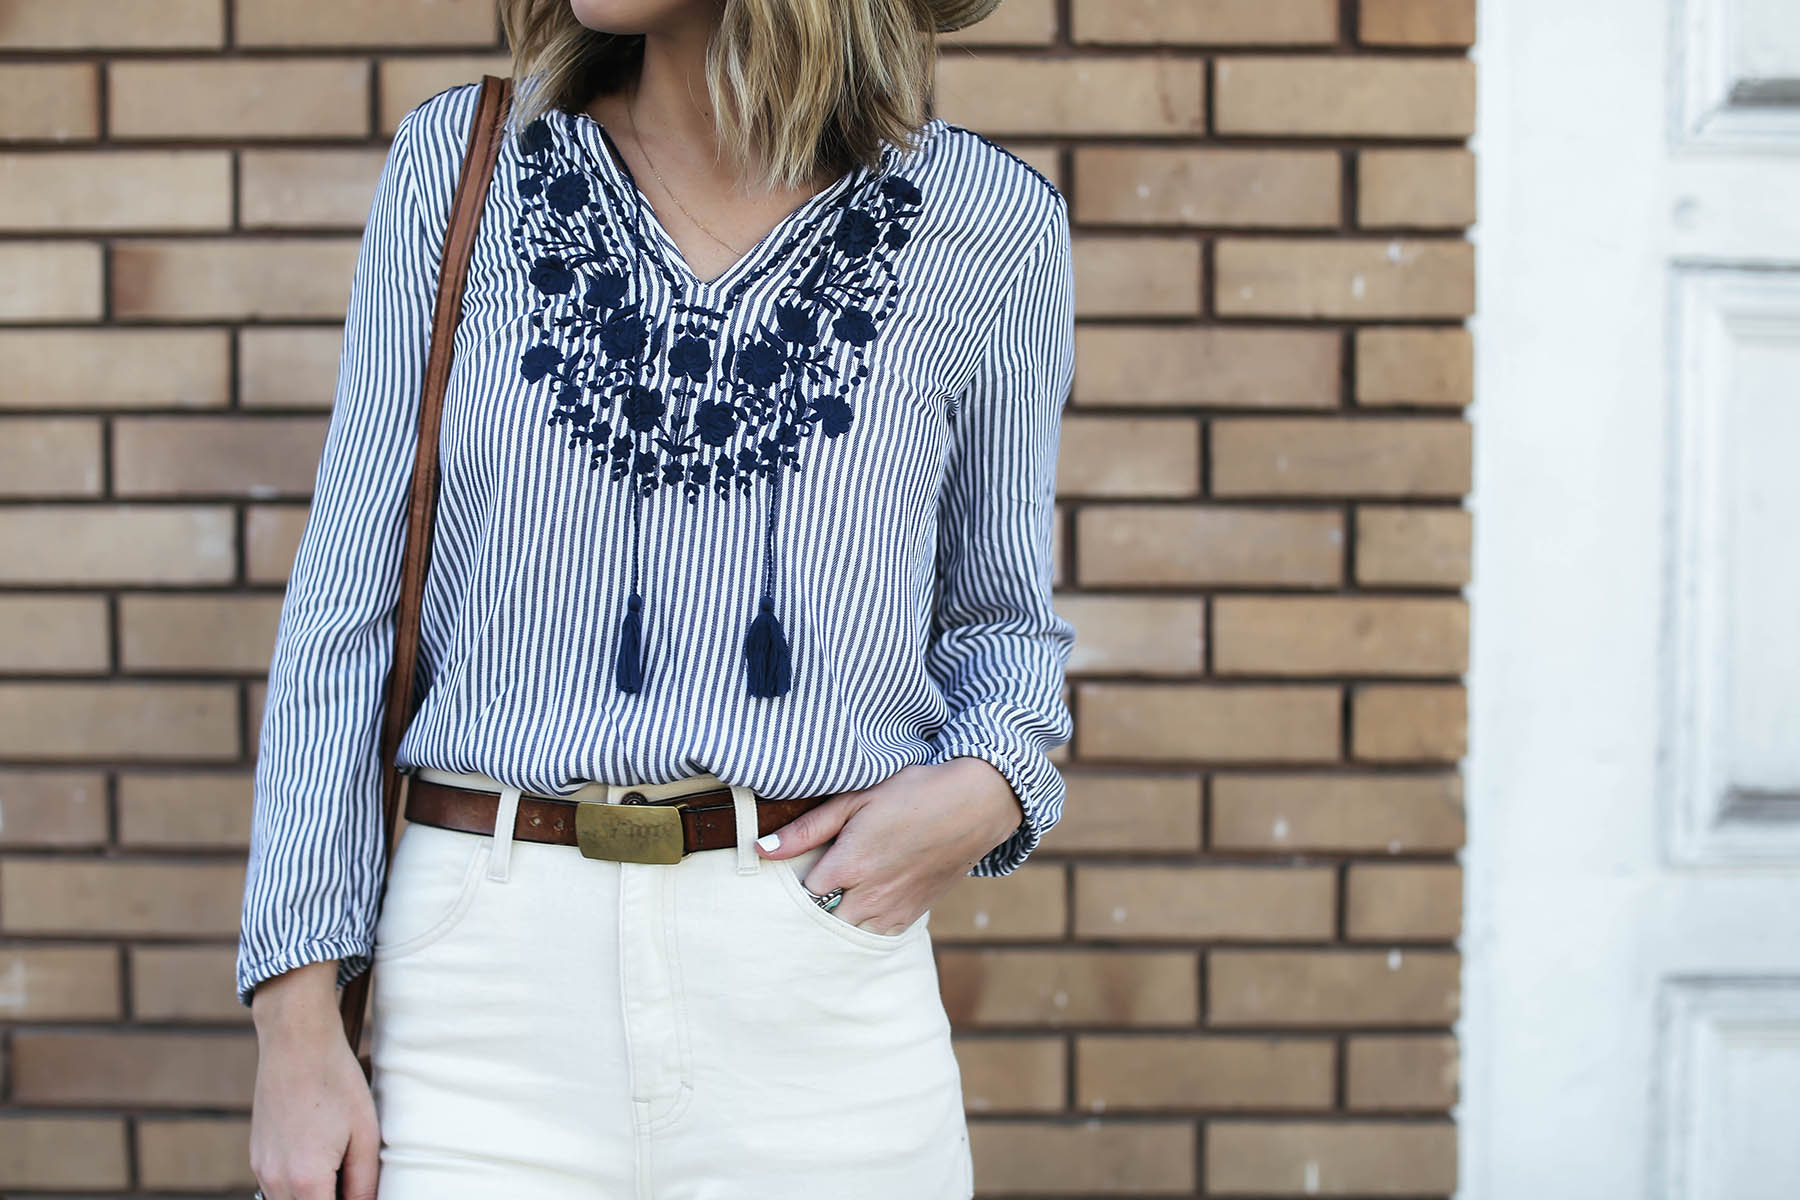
pixel 316 847
pixel 998 650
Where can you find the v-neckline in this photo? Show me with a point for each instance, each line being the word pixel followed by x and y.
pixel 608 152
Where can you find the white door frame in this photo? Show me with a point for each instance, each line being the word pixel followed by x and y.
pixel 1631 956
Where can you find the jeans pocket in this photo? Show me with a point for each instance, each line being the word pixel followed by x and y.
pixel 789 873
pixel 432 880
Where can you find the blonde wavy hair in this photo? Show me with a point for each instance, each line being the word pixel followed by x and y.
pixel 799 88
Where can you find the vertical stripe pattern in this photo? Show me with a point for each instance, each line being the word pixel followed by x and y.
pixel 911 531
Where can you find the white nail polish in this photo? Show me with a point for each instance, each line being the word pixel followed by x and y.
pixel 769 841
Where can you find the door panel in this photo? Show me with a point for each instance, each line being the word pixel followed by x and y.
pixel 1732 600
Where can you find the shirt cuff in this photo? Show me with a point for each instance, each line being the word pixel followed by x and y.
pixel 1035 781
pixel 352 954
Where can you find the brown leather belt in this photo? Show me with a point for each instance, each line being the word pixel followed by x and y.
pixel 639 828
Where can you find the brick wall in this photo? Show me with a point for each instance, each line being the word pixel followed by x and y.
pixel 1231 971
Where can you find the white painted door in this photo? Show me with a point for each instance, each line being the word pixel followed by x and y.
pixel 1632 1015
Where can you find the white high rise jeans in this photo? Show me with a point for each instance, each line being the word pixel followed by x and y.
pixel 546 1026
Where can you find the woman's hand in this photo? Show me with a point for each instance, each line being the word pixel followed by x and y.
pixel 312 1114
pixel 902 843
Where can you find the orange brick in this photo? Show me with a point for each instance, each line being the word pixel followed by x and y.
pixel 1128 456
pixel 121 896
pixel 1069 987
pixel 1337 813
pixel 1031 903
pixel 307 189
pixel 1349 279
pixel 59 983
pixel 1016 23
pixel 1424 189
pixel 1330 1159
pixel 185 808
pixel 52 808
pixel 410 79
pixel 1340 635
pixel 1136 276
pixel 1416 547
pixel 1123 1072
pixel 1211 367
pixel 1332 987
pixel 44 633
pixel 57 102
pixel 1185 186
pixel 1335 96
pixel 358 23
pixel 105 25
pixel 49 281
pixel 197 633
pixel 54 456
pixel 1201 723
pixel 1205 22
pixel 1065 96
pixel 289 368
pixel 114 368
pixel 1419 723
pixel 154 1070
pixel 254 695
pixel 195 455
pixel 1405 1072
pixel 123 543
pixel 1423 367
pixel 118 720
pixel 1192 546
pixel 238 98
pixel 1105 812
pixel 233 278
pixel 1211 903
pixel 63 1152
pixel 271 539
pixel 1139 635
pixel 1007 1074
pixel 1018 1158
pixel 199 1153
pixel 185 983
pixel 1416 22
pixel 1336 456
pixel 118 189
pixel 1403 901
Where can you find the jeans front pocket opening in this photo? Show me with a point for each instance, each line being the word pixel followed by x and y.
pixel 855 935
pixel 461 895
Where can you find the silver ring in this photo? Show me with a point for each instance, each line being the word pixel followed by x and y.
pixel 828 901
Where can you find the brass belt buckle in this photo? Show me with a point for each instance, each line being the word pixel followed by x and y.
pixel 643 833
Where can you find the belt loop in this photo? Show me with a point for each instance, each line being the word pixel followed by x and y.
pixel 743 808
pixel 505 818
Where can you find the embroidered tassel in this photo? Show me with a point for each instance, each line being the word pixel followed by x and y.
pixel 628 669
pixel 628 666
pixel 766 653
pixel 765 644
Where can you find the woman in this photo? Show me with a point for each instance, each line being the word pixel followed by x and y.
pixel 747 496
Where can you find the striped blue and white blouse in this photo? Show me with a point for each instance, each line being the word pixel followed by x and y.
pixel 790 526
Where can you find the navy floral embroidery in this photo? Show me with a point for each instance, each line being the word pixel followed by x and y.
pixel 672 402
pixel 669 405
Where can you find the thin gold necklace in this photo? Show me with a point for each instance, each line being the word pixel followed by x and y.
pixel 645 151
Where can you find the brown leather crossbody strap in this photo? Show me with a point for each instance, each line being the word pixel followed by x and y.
pixel 483 148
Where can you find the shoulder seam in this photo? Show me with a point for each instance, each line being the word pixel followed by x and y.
pixel 440 94
pixel 981 137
